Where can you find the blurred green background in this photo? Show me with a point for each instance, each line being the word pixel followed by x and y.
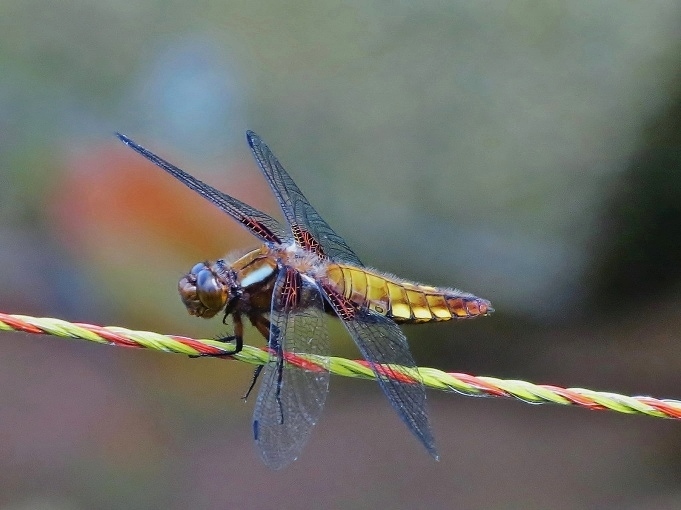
pixel 525 151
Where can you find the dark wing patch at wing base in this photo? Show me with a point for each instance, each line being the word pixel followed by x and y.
pixel 291 399
pixel 309 230
pixel 381 342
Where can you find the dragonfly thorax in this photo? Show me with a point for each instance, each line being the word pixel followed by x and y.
pixel 207 288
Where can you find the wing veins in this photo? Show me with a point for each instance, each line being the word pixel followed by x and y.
pixel 257 222
pixel 286 410
pixel 297 210
pixel 382 342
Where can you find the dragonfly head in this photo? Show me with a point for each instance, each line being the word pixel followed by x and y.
pixel 206 289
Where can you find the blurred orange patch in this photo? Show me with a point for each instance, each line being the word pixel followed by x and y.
pixel 108 196
pixel 135 230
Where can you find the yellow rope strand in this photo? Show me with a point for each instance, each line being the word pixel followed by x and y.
pixel 464 384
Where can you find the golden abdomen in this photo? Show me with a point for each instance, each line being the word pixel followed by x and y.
pixel 401 300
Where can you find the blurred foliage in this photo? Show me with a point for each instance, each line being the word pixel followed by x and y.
pixel 640 250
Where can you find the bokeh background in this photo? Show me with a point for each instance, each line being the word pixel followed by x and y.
pixel 526 151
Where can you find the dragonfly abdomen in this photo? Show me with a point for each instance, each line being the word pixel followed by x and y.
pixel 401 300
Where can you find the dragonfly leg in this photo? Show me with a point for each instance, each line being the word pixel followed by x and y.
pixel 272 334
pixel 237 338
pixel 280 377
pixel 276 348
pixel 256 374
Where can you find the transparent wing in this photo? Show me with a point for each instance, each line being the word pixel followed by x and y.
pixel 257 222
pixel 308 228
pixel 382 342
pixel 291 398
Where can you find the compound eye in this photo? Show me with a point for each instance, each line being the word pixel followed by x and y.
pixel 198 268
pixel 211 293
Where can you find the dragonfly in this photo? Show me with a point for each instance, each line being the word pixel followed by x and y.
pixel 302 273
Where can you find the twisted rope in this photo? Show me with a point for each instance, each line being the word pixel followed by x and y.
pixel 464 384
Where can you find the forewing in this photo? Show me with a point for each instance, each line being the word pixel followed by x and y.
pixel 383 344
pixel 291 398
pixel 308 228
pixel 257 222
